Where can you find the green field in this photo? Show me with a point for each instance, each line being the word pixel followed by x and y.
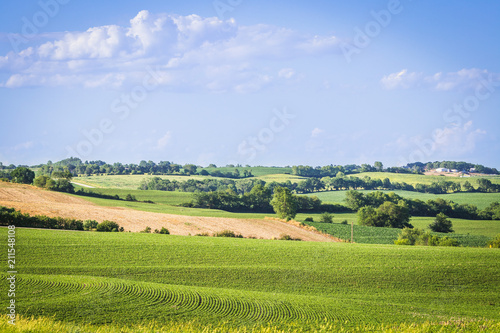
pixel 256 170
pixel 481 200
pixel 130 278
pixel 413 179
pixel 158 197
pixel 130 182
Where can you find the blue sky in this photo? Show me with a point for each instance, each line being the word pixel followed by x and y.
pixel 250 82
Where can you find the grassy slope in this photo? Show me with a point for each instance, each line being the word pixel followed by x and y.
pixel 128 278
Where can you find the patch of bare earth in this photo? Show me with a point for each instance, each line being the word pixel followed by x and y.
pixel 35 201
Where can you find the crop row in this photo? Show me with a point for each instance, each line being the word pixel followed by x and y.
pixel 220 302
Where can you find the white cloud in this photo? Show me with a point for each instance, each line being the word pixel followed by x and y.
pixel 457 140
pixel 402 79
pixel 443 143
pixel 316 132
pixel 462 80
pixel 163 141
pixel 195 53
pixel 286 73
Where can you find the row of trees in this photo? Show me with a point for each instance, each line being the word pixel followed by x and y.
pixel 418 167
pixel 76 167
pixel 341 182
pixel 11 216
pixel 356 200
pixel 333 170
pixel 311 185
pixel 259 199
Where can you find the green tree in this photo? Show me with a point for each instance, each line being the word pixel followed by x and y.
pixel 284 203
pixel 22 175
pixel 62 174
pixel 108 226
pixel 441 224
pixel 467 187
pixel 190 169
pixel 387 214
pixel 378 165
pixel 355 200
pixel 326 218
pixel 258 198
pixel 44 181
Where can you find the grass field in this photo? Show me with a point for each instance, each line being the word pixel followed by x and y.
pixel 481 200
pixel 256 170
pixel 159 197
pixel 423 179
pixel 129 278
pixel 132 182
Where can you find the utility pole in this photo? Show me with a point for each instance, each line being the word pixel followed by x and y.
pixel 352 232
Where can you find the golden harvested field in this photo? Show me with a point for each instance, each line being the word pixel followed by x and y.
pixel 35 201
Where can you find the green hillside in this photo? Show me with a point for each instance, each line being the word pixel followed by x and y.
pixel 129 279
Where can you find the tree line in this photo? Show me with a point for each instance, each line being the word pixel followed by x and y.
pixel 259 200
pixel 88 168
pixel 356 201
pixel 416 168
pixel 311 185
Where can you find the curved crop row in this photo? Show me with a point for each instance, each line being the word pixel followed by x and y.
pixel 222 303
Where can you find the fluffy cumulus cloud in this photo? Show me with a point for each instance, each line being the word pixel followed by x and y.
pixel 189 52
pixel 464 79
pixel 444 143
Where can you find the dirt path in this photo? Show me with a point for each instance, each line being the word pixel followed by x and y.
pixel 83 185
pixel 35 201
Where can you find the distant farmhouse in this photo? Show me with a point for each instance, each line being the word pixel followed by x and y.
pixel 443 170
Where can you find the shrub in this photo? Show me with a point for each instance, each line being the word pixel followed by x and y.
pixel 416 236
pixel 90 225
pixel 326 218
pixel 288 237
pixel 130 197
pixel 446 241
pixel 44 182
pixel 163 231
pixel 203 234
pixel 309 219
pixel 227 233
pixel 495 243
pixel 402 242
pixel 108 226
pixel 344 222
pixel 441 224
pixel 409 236
pixel 146 230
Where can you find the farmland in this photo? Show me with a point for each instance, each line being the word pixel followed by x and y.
pixel 140 282
pixel 481 200
pixel 95 278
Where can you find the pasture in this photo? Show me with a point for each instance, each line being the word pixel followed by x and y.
pixel 129 279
